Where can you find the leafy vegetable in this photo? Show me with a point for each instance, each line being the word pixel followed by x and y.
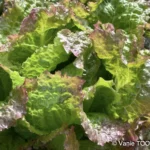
pixel 71 142
pixel 14 110
pixel 74 74
pixel 53 98
pixel 46 58
pixel 122 13
pixel 10 140
pixel 101 130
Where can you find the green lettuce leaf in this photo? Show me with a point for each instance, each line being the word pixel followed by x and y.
pixel 127 97
pixel 5 84
pixel 9 140
pixel 124 70
pixel 14 76
pixel 22 48
pixel 133 90
pixel 45 58
pixel 81 13
pixel 72 70
pixel 94 5
pixel 53 140
pixel 86 63
pixel 110 44
pixel 37 30
pixel 91 66
pixel 14 13
pixel 80 10
pixel 10 22
pixel 107 43
pixel 53 102
pixel 108 67
pixel 99 97
pixel 122 13
pixel 57 143
pixel 133 44
pixel 42 20
pixel 5 61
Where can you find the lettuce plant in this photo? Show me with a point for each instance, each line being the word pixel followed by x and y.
pixel 74 74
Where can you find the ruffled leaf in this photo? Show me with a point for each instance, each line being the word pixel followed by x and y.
pixel 107 43
pixel 86 63
pixel 14 13
pixel 10 22
pixel 54 98
pixel 74 42
pixel 39 28
pixel 14 110
pixel 94 5
pixel 42 20
pixel 80 10
pixel 133 90
pixel 28 23
pixel 122 14
pixel 45 58
pixel 100 129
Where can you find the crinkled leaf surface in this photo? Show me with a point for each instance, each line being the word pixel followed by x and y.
pixel 15 109
pixel 86 63
pixel 14 13
pixel 38 28
pixel 133 90
pixel 80 10
pixel 110 44
pixel 122 13
pixel 94 5
pixel 106 43
pixel 45 58
pixel 10 21
pixel 100 129
pixel 36 36
pixel 125 75
pixel 41 19
pixel 74 42
pixel 54 102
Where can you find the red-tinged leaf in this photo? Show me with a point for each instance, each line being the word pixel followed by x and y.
pixel 28 24
pixel 74 42
pixel 71 142
pixel 106 42
pixel 15 109
pixel 100 129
